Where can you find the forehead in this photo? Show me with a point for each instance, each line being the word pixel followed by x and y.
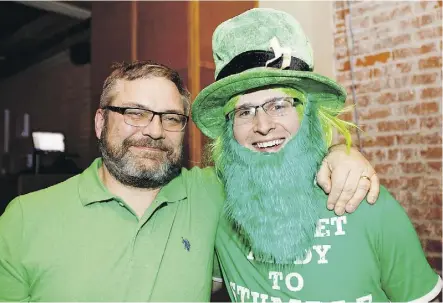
pixel 260 96
pixel 154 93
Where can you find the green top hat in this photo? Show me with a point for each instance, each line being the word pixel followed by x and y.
pixel 259 48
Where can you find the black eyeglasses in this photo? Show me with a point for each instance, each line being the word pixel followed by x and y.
pixel 275 108
pixel 138 117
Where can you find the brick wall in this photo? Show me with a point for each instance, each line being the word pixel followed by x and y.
pixel 398 84
pixel 56 94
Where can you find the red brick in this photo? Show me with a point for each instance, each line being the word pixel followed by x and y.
pixel 387 98
pixel 401 154
pixel 435 262
pixel 390 183
pixel 434 246
pixel 384 168
pixel 431 153
pixel 378 141
pixel 431 92
pixel 429 33
pixel 341 53
pixel 346 116
pixel 340 28
pixel 434 213
pixel 411 168
pixel 401 82
pixel 434 166
pixel 373 59
pixel 431 62
pixel 381 18
pixel 377 155
pixel 434 138
pixel 398 125
pixel 369 87
pixel 339 5
pixel 430 122
pixel 420 109
pixel 431 197
pixel 364 100
pixel 369 6
pixel 403 91
pixel 421 21
pixel 344 66
pixel 366 128
pixel 431 182
pixel 401 11
pixel 423 228
pixel 408 95
pixel 344 77
pixel 376 113
pixel 340 41
pixel 404 67
pixel 341 14
pixel 424 79
pixel 410 51
pixel 427 5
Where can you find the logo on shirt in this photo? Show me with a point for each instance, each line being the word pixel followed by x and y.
pixel 186 244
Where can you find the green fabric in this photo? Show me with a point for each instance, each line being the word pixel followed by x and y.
pixel 75 241
pixel 253 31
pixel 371 255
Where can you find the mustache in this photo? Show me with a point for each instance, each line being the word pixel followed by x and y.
pixel 147 142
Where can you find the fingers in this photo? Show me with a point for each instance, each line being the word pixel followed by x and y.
pixel 324 177
pixel 347 195
pixel 339 178
pixel 362 188
pixel 375 189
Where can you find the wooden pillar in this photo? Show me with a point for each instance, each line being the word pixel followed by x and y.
pixel 175 33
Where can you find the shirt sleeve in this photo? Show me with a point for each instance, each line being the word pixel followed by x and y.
pixel 13 282
pixel 405 273
pixel 216 273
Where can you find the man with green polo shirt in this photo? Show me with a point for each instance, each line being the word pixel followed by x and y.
pixel 272 119
pixel 135 225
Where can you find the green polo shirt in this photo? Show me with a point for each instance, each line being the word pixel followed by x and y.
pixel 75 241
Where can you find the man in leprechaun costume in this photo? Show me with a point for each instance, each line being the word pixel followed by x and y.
pixel 272 118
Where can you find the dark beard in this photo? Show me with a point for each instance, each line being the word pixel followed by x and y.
pixel 270 197
pixel 123 166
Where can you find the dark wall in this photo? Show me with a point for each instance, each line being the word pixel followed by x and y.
pixel 57 96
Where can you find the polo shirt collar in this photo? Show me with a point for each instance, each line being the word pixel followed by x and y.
pixel 91 189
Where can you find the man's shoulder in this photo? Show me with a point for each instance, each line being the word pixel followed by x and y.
pixel 202 176
pixel 203 185
pixel 53 195
pixel 385 202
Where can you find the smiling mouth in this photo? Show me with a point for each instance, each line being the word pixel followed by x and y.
pixel 149 148
pixel 269 146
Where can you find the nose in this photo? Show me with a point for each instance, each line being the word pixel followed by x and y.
pixel 154 129
pixel 263 123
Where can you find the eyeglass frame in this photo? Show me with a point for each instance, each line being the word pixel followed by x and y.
pixel 295 102
pixel 122 110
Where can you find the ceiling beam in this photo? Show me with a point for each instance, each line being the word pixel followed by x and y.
pixel 78 34
pixel 60 7
pixel 35 31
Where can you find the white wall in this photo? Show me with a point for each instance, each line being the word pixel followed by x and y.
pixel 316 19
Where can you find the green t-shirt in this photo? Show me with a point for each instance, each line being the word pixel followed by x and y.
pixel 75 241
pixel 371 255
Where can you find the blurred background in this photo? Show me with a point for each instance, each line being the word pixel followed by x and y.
pixel 54 57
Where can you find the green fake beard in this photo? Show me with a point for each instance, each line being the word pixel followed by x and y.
pixel 271 198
